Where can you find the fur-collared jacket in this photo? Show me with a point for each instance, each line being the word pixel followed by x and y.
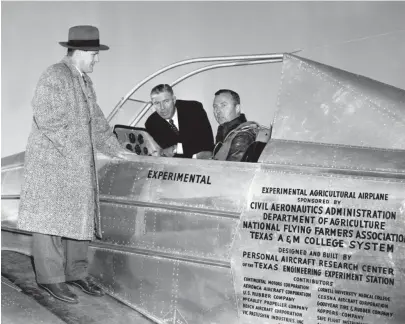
pixel 233 138
pixel 59 194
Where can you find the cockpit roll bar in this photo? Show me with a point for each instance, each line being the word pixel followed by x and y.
pixel 205 68
pixel 234 61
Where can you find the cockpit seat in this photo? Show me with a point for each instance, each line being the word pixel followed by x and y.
pixel 254 150
pixel 136 140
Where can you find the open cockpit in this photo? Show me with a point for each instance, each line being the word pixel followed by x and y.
pixel 129 116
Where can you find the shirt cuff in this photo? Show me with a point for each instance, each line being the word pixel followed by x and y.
pixel 179 148
pixel 194 156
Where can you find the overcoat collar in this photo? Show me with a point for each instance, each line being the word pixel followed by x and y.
pixel 76 74
pixel 225 128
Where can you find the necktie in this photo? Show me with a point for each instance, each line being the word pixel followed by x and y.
pixel 173 127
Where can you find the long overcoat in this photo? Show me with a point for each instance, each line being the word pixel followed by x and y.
pixel 59 193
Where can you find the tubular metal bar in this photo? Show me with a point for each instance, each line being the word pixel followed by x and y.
pixel 141 114
pixel 221 65
pixel 205 68
pixel 278 57
pixel 137 100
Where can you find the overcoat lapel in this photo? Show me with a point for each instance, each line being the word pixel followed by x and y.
pixel 76 75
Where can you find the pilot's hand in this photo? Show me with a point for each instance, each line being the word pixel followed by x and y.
pixel 204 155
pixel 169 151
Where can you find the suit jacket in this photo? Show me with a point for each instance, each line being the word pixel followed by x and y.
pixel 60 192
pixel 194 128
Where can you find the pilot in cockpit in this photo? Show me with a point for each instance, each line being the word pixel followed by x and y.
pixel 181 128
pixel 235 134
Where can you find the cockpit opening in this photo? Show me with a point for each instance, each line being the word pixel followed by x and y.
pixel 138 141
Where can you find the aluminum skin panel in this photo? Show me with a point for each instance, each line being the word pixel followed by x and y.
pixel 334 157
pixel 11 180
pixel 13 160
pixel 180 233
pixel 301 257
pixel 166 243
pixel 17 242
pixel 319 103
pixel 19 270
pixel 167 290
pixel 9 212
pixel 203 184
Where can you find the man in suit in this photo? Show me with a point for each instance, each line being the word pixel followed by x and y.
pixel 59 197
pixel 180 127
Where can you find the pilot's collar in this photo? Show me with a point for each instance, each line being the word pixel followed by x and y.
pixel 225 128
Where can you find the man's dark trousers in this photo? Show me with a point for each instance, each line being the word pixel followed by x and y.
pixel 59 259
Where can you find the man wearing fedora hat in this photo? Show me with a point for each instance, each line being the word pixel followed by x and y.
pixel 59 197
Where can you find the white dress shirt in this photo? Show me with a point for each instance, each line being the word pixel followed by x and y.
pixel 179 147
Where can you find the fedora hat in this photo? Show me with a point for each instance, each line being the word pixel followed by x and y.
pixel 85 38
